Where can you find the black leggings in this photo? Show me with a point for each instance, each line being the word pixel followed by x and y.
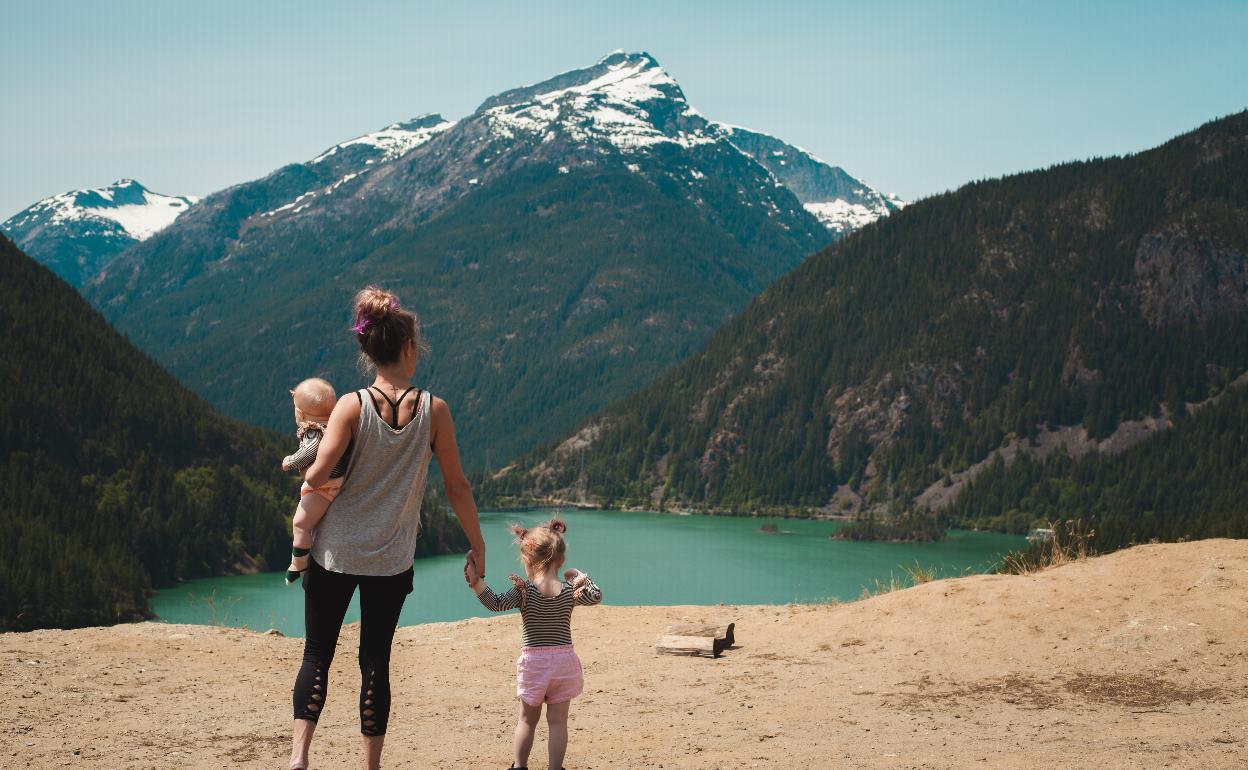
pixel 325 600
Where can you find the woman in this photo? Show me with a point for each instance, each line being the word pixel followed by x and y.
pixel 368 537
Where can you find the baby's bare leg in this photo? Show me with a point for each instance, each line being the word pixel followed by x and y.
pixel 311 510
pixel 557 720
pixel 526 728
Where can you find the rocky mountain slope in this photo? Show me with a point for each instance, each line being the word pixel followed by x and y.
pixel 1088 295
pixel 78 232
pixel 565 243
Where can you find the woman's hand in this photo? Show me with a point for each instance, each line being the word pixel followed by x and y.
pixel 472 574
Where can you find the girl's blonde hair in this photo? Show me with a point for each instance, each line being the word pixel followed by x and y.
pixel 543 545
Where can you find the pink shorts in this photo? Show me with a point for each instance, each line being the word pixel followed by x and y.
pixel 548 675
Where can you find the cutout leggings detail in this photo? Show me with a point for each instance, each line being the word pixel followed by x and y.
pixel 326 598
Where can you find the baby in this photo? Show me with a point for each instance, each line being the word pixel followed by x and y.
pixel 548 670
pixel 314 401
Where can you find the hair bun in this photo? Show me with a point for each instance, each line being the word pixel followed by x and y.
pixel 519 531
pixel 375 303
pixel 558 526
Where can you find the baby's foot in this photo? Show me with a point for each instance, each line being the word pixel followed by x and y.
pixel 298 564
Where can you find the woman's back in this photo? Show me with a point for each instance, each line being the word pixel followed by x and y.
pixel 372 527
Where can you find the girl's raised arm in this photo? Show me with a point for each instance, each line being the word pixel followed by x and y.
pixel 337 438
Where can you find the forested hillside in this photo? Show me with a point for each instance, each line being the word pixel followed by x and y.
pixel 1085 294
pixel 116 478
pixel 1187 482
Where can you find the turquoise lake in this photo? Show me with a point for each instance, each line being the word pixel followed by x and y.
pixel 637 558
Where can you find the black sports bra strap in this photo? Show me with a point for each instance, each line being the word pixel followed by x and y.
pixel 394 405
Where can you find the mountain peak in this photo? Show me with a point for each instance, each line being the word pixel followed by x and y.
pixel 618 70
pixel 626 99
pixel 619 55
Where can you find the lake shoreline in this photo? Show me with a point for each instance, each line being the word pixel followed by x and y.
pixel 813 514
pixel 651 559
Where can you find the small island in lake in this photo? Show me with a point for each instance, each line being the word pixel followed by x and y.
pixel 771 528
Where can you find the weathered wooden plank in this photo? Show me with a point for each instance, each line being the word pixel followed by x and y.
pixel 703 646
pixel 724 632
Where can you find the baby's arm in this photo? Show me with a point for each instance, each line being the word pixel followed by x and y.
pixel 305 455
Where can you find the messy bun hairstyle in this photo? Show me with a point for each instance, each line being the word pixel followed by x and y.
pixel 382 327
pixel 543 545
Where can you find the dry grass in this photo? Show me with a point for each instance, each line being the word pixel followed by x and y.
pixel 1071 541
pixel 920 574
pixel 1132 691
pixel 914 575
pixel 1138 691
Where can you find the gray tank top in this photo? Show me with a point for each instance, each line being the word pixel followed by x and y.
pixel 372 525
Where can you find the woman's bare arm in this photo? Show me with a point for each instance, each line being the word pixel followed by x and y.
pixel 337 438
pixel 458 491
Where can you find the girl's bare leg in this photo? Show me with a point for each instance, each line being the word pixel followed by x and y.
pixel 557 721
pixel 303 740
pixel 311 510
pixel 526 728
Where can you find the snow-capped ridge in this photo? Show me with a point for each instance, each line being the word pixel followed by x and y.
pixel 126 203
pixel 395 139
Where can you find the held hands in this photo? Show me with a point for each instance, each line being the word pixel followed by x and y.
pixel 473 572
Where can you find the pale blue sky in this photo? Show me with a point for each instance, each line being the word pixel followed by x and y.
pixel 913 97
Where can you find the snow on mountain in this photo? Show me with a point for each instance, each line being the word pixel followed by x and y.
pixel 138 211
pixel 839 201
pixel 347 160
pixel 627 100
pixel 393 140
pixel 77 232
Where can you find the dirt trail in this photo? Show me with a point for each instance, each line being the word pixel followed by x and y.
pixel 1134 660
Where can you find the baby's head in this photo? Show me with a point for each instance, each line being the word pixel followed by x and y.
pixel 314 400
pixel 542 548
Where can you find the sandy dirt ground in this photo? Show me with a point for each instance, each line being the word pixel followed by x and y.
pixel 1134 660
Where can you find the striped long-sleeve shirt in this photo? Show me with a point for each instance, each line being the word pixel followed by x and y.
pixel 546 620
pixel 305 455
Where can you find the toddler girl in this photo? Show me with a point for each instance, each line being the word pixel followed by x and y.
pixel 314 400
pixel 548 670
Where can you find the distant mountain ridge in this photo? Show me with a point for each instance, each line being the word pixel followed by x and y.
pixel 842 203
pixel 1088 295
pixel 566 241
pixel 78 232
